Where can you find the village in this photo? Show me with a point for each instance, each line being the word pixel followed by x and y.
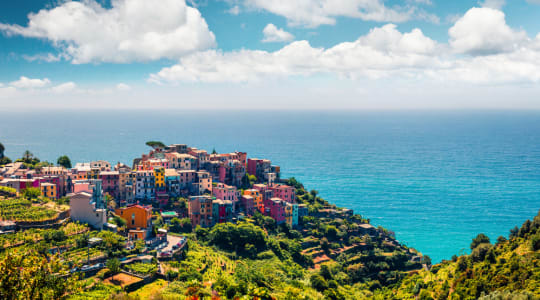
pixel 128 226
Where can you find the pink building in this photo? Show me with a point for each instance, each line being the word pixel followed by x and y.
pixel 110 182
pixel 248 203
pixel 226 192
pixel 284 192
pixel 275 208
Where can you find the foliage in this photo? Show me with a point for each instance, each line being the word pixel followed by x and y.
pixel 155 144
pixel 114 265
pixel 23 210
pixel 489 272
pixel 7 191
pixel 31 193
pixel 479 239
pixel 29 275
pixel 244 238
pixel 181 225
pixel 64 161
pixel 142 268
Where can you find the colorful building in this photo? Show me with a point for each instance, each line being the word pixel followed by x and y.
pixel 225 192
pixel 138 218
pixel 260 168
pixel 203 183
pixel 86 204
pixel 257 199
pixel 248 204
pixel 145 185
pixel 222 211
pixel 48 190
pixel 159 174
pixel 180 161
pixel 111 184
pixel 172 182
pixel 200 210
pixel 275 208
pixel 284 192
pixel 291 214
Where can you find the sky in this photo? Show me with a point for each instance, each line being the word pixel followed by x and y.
pixel 269 54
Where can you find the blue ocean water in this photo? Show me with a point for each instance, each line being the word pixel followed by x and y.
pixel 435 178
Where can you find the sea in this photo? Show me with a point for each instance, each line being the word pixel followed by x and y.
pixel 435 178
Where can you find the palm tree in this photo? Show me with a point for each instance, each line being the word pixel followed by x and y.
pixel 27 156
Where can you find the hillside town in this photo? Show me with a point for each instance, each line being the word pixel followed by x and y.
pixel 215 186
pixel 179 214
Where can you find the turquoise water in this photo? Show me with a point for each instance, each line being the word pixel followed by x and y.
pixel 435 178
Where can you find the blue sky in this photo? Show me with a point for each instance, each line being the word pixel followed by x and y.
pixel 374 54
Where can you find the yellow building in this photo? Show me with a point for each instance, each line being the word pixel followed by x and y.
pixel 159 175
pixel 48 190
pixel 257 199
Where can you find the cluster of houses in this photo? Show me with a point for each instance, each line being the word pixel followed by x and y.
pixel 211 183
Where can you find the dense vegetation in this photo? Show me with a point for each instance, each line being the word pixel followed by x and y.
pixel 506 269
pixel 332 255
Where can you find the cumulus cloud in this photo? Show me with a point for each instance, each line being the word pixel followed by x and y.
pixel 313 13
pixel 274 34
pixel 494 54
pixel 64 87
pixel 29 83
pixel 131 30
pixel 483 31
pixel 381 51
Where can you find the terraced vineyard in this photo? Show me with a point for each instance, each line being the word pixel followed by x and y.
pixel 81 255
pixel 142 268
pixel 24 210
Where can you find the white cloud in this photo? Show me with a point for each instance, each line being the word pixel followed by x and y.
pixel 483 31
pixel 496 54
pixel 131 30
pixel 235 10
pixel 381 51
pixel 29 83
pixel 313 13
pixel 123 87
pixel 274 34
pixel 495 4
pixel 64 88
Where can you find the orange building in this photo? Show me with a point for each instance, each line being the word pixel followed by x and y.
pixel 257 199
pixel 138 220
pixel 48 190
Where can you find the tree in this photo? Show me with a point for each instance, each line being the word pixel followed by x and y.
pixel 64 161
pixel 155 144
pixel 27 156
pixel 2 149
pixel 479 239
pixel 113 265
pixel 5 160
pixel 214 151
pixel 318 282
pixel 29 275
pixel 31 193
pixel 426 260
